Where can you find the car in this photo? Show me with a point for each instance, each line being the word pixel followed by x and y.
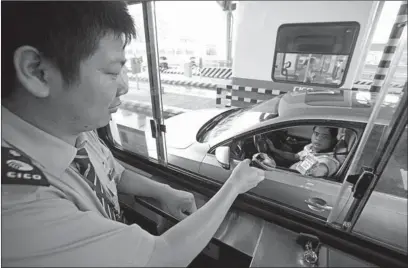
pixel 204 146
pixel 163 63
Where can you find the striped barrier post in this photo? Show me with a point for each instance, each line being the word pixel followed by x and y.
pixel 366 85
pixel 223 73
pixel 248 96
pixel 390 48
pixel 228 96
pixel 218 97
pixel 239 96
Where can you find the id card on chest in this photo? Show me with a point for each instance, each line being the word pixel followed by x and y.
pixel 307 164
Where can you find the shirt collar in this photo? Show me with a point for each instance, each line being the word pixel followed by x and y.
pixel 52 153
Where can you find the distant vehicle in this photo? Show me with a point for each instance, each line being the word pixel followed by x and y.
pixel 163 63
pixel 193 62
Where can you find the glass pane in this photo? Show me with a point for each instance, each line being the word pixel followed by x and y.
pixel 192 49
pixel 206 105
pixel 387 206
pixel 310 69
pixel 381 35
pixel 130 122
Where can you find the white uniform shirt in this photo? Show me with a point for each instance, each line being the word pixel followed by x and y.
pixel 64 224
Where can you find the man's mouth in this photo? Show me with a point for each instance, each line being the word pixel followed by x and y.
pixel 115 106
pixel 316 144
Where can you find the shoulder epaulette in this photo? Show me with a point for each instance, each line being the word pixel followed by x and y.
pixel 16 168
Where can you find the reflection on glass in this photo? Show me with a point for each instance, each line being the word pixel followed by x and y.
pixel 387 206
pixel 129 125
pixel 310 68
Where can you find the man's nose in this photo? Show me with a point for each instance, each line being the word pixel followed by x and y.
pixel 123 82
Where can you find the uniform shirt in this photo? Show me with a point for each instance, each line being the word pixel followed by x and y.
pixel 309 160
pixel 64 224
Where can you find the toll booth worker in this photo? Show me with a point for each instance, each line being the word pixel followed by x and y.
pixel 61 81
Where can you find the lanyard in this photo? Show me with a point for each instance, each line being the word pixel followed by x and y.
pixel 100 194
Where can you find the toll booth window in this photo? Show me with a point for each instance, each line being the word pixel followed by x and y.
pixel 314 53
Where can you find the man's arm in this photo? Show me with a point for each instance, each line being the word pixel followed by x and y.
pixel 126 245
pixel 183 242
pixel 178 203
pixel 287 155
pixel 136 184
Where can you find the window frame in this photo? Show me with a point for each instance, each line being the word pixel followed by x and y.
pixel 356 127
pixel 349 243
pixel 350 56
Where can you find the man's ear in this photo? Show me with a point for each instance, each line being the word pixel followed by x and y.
pixel 32 71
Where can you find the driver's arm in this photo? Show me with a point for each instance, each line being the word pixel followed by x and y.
pixel 287 155
pixel 321 170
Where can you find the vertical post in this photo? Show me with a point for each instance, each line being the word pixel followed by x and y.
pixel 149 19
pixel 229 33
pixel 368 41
pixel 229 7
pixel 394 40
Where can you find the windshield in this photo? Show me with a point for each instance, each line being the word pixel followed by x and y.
pixel 243 118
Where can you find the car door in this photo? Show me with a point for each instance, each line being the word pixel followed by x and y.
pixel 309 194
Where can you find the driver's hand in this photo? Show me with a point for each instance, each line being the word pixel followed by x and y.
pixel 270 144
pixel 245 177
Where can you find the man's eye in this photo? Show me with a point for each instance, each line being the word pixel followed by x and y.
pixel 114 75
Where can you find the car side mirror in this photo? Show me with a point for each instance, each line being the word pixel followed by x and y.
pixel 222 154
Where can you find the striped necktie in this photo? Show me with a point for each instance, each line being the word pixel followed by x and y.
pixel 85 168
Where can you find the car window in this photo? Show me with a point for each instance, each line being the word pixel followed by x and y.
pixel 243 118
pixel 310 150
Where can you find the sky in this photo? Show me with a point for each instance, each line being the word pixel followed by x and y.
pixel 200 20
pixel 386 21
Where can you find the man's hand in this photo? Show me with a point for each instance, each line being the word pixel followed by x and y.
pixel 244 177
pixel 270 145
pixel 178 203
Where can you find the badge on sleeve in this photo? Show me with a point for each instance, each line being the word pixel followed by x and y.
pixel 19 169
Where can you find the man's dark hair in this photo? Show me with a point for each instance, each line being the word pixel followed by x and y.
pixel 65 33
pixel 333 131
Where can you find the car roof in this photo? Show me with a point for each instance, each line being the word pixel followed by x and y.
pixel 339 105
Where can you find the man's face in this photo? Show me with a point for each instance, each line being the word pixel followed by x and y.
pixel 321 139
pixel 88 103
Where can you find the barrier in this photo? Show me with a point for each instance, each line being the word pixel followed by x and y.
pixel 178 71
pixel 366 85
pixel 241 96
pixel 228 96
pixel 358 85
pixel 177 82
pixel 222 73
pixel 216 72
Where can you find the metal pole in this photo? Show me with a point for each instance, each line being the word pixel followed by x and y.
pixel 229 33
pixel 149 19
pixel 368 41
pixel 390 48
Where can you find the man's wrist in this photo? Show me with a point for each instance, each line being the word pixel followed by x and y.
pixel 231 186
pixel 164 192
